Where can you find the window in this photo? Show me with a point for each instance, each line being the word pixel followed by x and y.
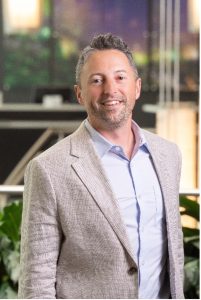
pixel 46 54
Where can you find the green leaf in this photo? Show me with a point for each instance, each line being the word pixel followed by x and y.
pixel 192 239
pixel 6 291
pixel 188 259
pixel 191 207
pixel 11 221
pixel 11 261
pixel 191 270
pixel 188 232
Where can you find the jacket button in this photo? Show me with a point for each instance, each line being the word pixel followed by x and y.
pixel 132 271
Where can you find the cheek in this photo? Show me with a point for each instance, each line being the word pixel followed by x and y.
pixel 90 95
pixel 94 94
pixel 88 99
pixel 130 92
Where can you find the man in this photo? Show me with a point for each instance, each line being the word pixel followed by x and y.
pixel 101 212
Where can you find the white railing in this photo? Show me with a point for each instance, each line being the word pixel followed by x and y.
pixel 18 189
pixel 11 189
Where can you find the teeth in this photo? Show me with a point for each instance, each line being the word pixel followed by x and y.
pixel 111 102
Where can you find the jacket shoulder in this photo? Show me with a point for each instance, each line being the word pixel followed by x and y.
pixel 162 145
pixel 150 136
pixel 61 152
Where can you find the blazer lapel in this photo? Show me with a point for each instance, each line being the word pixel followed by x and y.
pixel 160 162
pixel 90 171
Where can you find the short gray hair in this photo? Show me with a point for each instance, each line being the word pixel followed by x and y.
pixel 104 42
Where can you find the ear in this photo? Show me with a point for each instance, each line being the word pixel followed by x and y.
pixel 138 85
pixel 78 92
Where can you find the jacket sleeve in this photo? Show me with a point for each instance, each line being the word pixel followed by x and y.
pixel 40 235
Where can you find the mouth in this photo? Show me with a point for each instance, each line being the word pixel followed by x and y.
pixel 111 103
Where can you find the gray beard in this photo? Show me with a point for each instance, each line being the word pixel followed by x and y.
pixel 110 122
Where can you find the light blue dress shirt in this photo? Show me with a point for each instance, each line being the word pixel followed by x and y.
pixel 137 190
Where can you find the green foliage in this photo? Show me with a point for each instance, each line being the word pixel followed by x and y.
pixel 191 250
pixel 29 60
pixel 26 60
pixel 10 220
pixel 191 208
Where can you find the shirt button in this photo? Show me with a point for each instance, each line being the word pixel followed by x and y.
pixel 142 263
pixel 132 271
pixel 117 148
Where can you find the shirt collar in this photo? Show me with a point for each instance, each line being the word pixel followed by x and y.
pixel 103 145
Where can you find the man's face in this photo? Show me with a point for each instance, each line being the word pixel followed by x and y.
pixel 108 89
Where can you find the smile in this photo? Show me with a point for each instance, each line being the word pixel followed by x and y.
pixel 111 103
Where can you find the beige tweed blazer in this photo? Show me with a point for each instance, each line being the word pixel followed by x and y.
pixel 74 243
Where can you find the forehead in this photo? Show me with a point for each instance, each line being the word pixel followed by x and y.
pixel 110 58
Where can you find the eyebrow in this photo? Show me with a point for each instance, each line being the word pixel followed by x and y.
pixel 121 71
pixel 95 74
pixel 101 74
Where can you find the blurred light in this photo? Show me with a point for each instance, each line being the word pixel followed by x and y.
pixel 68 47
pixel 141 58
pixel 21 15
pixel 190 52
pixel 194 7
pixel 178 124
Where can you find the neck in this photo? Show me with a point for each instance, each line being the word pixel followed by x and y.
pixel 122 136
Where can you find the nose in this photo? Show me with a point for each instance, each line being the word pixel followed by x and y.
pixel 110 87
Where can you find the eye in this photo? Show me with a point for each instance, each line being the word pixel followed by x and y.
pixel 121 77
pixel 97 80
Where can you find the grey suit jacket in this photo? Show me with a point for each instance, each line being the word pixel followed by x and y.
pixel 74 243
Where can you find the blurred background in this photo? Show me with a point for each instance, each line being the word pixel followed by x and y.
pixel 40 41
